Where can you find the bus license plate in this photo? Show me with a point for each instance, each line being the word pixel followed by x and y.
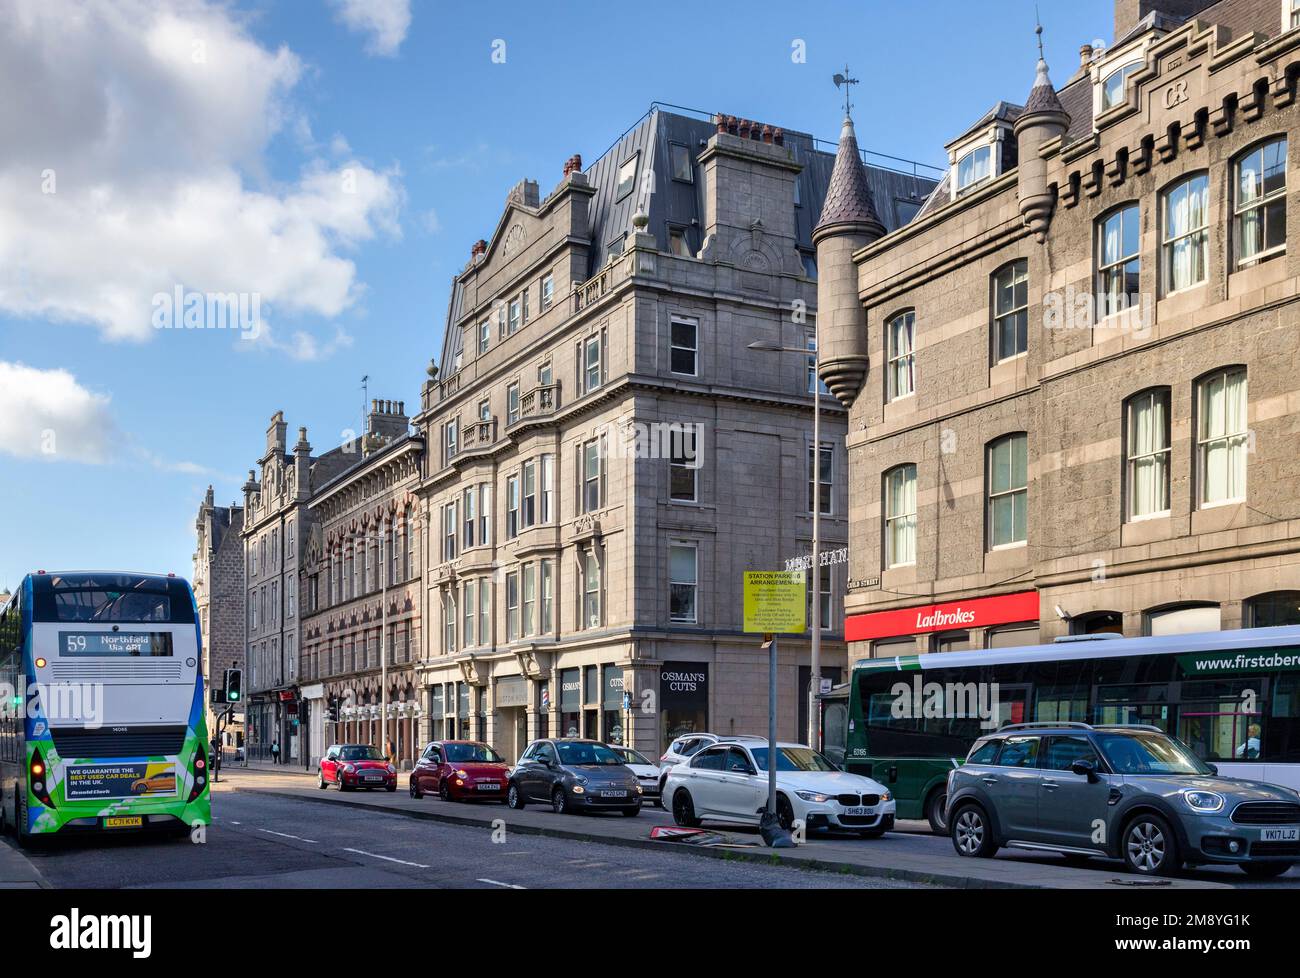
pixel 858 810
pixel 124 822
pixel 1279 835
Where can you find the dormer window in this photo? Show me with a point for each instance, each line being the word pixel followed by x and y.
pixel 1114 85
pixel 975 167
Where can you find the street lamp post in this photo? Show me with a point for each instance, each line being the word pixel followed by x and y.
pixel 814 680
pixel 383 644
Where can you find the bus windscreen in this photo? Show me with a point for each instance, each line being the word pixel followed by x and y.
pixel 111 598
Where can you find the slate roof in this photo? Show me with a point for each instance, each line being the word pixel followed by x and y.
pixel 848 198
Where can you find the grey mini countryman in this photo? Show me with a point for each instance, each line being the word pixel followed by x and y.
pixel 1127 792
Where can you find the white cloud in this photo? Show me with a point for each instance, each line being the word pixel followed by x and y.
pixel 134 163
pixel 47 414
pixel 385 21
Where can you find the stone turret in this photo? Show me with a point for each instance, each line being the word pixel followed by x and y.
pixel 848 222
pixel 1044 119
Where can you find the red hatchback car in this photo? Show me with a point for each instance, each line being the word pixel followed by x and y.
pixel 352 766
pixel 460 770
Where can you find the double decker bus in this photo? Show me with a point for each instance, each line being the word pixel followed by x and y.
pixel 102 725
pixel 1232 696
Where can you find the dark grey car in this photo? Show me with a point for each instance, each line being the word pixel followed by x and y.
pixel 573 775
pixel 1126 792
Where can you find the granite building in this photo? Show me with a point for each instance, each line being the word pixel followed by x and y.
pixel 219 596
pixel 606 456
pixel 361 594
pixel 1071 382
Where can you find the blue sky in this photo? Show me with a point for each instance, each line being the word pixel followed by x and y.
pixel 205 144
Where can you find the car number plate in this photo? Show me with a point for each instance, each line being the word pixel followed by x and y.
pixel 124 822
pixel 613 794
pixel 374 777
pixel 488 786
pixel 1279 835
pixel 858 810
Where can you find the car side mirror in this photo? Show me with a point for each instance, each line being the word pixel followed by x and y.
pixel 1085 769
pixel 1214 768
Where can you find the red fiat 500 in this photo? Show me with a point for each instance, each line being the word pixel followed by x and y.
pixel 460 770
pixel 356 766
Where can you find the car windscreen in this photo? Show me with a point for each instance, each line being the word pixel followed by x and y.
pixel 471 754
pixel 629 756
pixel 587 754
pixel 361 754
pixel 793 759
pixel 1148 753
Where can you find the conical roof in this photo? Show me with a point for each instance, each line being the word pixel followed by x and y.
pixel 1042 97
pixel 848 198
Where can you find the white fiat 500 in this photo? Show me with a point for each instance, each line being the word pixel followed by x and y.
pixel 727 781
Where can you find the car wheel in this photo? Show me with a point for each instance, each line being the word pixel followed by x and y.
pixel 559 801
pixel 1149 847
pixel 934 811
pixel 684 809
pixel 416 793
pixel 343 786
pixel 444 790
pixel 972 833
pixel 391 787
pixel 632 812
pixel 1265 870
pixel 320 780
pixel 514 799
pixel 784 813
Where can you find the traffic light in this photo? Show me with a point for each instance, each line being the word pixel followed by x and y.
pixel 333 712
pixel 234 685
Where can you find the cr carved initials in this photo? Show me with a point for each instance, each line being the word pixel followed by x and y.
pixel 1176 93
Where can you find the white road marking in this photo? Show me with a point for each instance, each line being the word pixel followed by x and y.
pixel 508 886
pixel 286 835
pixel 390 859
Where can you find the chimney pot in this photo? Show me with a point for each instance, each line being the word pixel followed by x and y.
pixel 1085 55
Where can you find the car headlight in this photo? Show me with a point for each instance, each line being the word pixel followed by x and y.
pixel 461 774
pixel 638 789
pixel 349 769
pixel 391 769
pixel 886 797
pixel 578 789
pixel 816 796
pixel 1203 801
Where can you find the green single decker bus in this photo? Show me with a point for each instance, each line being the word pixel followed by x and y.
pixel 102 725
pixel 1232 696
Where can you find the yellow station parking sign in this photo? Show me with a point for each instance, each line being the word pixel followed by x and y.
pixel 775 602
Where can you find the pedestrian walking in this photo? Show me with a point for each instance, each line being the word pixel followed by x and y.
pixel 275 752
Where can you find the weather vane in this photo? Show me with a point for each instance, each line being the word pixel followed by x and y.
pixel 1038 29
pixel 845 81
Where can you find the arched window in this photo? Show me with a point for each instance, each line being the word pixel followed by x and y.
pixel 1119 264
pixel 1273 609
pixel 974 168
pixel 1114 84
pixel 1259 203
pixel 1221 436
pixel 1183 618
pixel 1008 491
pixel 1186 233
pixel 1146 444
pixel 1011 310
pixel 900 375
pixel 900 516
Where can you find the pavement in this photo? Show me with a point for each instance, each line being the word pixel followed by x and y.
pixel 911 854
pixel 17 872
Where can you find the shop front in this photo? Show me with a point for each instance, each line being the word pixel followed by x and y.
pixel 612 724
pixel 510 727
pixel 1001 621
pixel 683 700
pixel 570 703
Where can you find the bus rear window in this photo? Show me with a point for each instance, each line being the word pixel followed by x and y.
pixel 109 598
